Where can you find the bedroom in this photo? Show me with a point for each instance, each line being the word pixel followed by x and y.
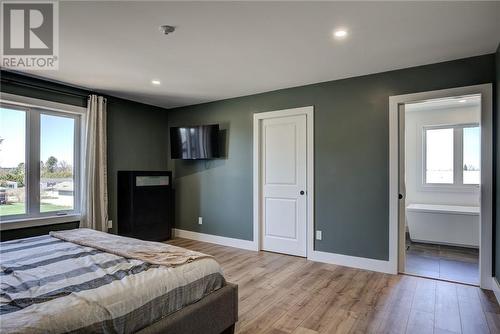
pixel 129 73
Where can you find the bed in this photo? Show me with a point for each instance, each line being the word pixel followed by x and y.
pixel 84 281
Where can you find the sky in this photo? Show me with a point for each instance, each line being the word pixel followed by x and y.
pixel 472 142
pixel 439 149
pixel 56 135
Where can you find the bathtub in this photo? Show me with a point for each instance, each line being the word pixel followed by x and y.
pixel 444 224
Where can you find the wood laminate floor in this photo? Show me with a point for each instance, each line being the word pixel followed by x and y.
pixel 281 294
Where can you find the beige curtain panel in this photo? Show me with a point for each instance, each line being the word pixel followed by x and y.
pixel 94 177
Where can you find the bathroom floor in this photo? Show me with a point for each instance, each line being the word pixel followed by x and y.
pixel 458 264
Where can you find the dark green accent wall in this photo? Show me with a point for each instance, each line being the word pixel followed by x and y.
pixel 18 84
pixel 137 133
pixel 137 140
pixel 351 150
pixel 496 147
pixel 351 155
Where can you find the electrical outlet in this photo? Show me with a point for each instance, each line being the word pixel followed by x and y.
pixel 110 224
pixel 200 220
pixel 319 235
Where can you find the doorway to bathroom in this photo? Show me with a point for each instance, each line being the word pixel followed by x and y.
pixel 442 220
pixel 442 164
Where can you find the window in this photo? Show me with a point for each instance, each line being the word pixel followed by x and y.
pixel 439 150
pixel 472 155
pixel 56 163
pixel 452 155
pixel 39 162
pixel 12 161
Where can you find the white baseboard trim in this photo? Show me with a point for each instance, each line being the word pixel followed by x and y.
pixel 215 239
pixel 331 258
pixel 352 261
pixel 495 286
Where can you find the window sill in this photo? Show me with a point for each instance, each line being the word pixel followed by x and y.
pixel 39 221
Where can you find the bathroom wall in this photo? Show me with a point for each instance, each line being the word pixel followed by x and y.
pixel 415 120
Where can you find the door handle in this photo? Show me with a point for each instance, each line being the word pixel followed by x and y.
pixel 302 192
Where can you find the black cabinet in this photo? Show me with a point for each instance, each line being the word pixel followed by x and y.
pixel 145 205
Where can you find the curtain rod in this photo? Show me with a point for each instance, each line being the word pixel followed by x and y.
pixel 41 87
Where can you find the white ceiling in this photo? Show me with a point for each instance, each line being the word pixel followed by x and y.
pixel 228 49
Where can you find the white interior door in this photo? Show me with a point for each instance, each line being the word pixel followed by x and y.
pixel 283 184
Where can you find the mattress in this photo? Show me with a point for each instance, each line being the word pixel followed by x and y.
pixel 49 285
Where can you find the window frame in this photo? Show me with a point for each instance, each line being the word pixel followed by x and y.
pixel 458 158
pixel 34 109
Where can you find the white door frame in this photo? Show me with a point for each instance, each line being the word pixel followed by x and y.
pixel 257 212
pixel 396 246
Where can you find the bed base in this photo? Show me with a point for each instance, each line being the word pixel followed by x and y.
pixel 216 313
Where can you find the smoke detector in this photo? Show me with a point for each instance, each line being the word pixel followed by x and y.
pixel 166 29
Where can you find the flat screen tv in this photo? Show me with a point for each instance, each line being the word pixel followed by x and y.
pixel 195 142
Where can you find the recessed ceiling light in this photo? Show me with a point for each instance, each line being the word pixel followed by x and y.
pixel 155 82
pixel 462 101
pixel 340 33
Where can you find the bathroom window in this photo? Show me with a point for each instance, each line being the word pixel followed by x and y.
pixel 452 155
pixel 471 155
pixel 439 156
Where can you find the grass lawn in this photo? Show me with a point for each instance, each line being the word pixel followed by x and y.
pixel 18 208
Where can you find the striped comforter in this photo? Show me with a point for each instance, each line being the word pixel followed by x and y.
pixel 53 286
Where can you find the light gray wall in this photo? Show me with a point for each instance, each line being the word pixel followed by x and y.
pixel 351 155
